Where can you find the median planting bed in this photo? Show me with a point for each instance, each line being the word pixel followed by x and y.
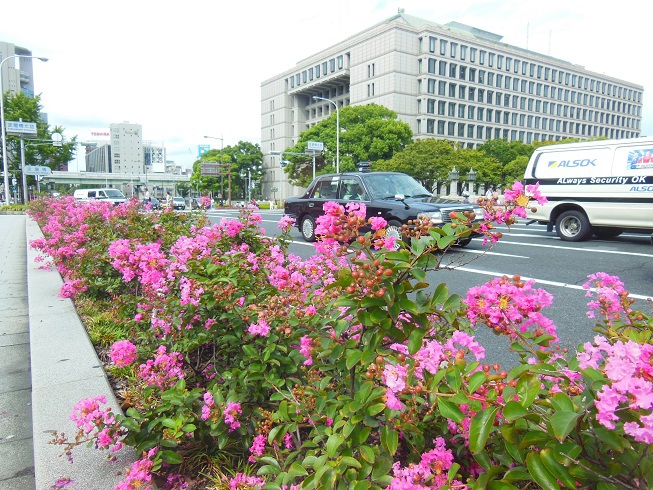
pixel 239 365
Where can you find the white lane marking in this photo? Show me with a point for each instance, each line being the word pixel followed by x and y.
pixel 577 249
pixel 542 281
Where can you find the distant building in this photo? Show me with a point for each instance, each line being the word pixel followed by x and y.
pixel 17 73
pixel 449 81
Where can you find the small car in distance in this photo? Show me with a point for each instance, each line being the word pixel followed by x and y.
pixel 394 196
pixel 179 203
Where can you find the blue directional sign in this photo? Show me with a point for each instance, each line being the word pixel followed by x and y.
pixel 37 170
pixel 20 127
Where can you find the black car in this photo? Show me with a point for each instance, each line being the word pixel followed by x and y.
pixel 394 196
pixel 154 203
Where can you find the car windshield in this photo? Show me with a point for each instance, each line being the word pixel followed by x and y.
pixel 114 193
pixel 387 186
pixel 178 199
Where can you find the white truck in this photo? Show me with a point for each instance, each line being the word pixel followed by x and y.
pixel 112 195
pixel 598 188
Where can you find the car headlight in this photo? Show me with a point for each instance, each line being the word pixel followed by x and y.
pixel 434 216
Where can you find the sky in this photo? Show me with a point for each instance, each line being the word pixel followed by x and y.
pixel 184 70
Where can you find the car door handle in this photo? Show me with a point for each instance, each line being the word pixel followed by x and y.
pixel 311 204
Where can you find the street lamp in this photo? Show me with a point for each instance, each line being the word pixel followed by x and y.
pixel 2 122
pixel 337 130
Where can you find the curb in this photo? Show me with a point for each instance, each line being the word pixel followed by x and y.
pixel 65 369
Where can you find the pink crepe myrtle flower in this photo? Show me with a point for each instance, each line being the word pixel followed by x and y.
pixel 123 353
pixel 164 370
pixel 257 448
pixel 231 411
pixel 286 223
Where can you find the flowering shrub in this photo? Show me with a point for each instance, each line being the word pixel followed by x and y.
pixel 348 370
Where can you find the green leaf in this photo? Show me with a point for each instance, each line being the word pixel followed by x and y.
pixel 171 457
pixel 480 428
pixel 450 410
pixel 389 440
pixel 517 473
pixel 562 423
pixel 169 423
pixel 562 403
pixel 297 470
pixel 540 474
pixel 556 469
pixel 454 379
pixel 514 411
pixel 533 437
pixel 375 409
pixel 500 485
pixel 333 443
pixel 367 453
pixel 415 340
pixel 528 387
pixel 352 462
pixel 353 356
pixel 476 380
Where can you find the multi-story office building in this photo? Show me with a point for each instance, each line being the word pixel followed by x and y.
pixel 448 81
pixel 17 73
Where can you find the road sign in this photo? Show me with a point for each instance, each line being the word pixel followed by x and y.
pixel 37 170
pixel 20 127
pixel 315 145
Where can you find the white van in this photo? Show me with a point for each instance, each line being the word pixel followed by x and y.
pixel 596 188
pixel 111 195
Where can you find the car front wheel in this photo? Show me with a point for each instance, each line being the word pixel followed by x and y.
pixel 308 229
pixel 394 229
pixel 573 226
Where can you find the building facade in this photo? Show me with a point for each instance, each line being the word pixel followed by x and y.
pixel 17 73
pixel 449 81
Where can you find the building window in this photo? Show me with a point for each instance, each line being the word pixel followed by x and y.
pixel 432 44
pixel 440 127
pixel 461 111
pixel 441 107
pixel 332 64
pixel 472 55
pixel 517 63
pixel 481 95
pixel 472 74
pixel 310 74
pixel 481 57
pixel 430 124
pixel 463 52
pixel 452 109
pixel 451 127
pixel 499 81
pixel 462 92
pixel 470 130
pixel 431 68
pixel 442 87
pixel 454 49
pixel 481 77
pixel 452 90
pixel 479 132
pixel 371 69
pixel 431 86
pixel 499 62
pixel 462 74
pixel 470 112
pixel 508 64
pixel 532 70
pixel 443 47
pixel 490 60
pixel 442 68
pixel 524 68
pixel 461 130
pixel 480 113
pixel 472 93
pixel 539 71
pixel 317 71
pixel 340 62
pixel 430 106
pixel 324 68
pixel 453 70
pixel 370 90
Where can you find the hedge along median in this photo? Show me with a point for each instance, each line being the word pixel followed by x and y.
pixel 251 367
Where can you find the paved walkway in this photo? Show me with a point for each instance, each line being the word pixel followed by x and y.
pixel 16 443
pixel 47 365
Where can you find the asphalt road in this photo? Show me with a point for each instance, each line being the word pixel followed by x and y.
pixel 559 267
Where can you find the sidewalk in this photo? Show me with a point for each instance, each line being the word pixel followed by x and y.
pixel 63 366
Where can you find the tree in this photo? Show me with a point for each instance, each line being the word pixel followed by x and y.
pixel 40 151
pixel 367 133
pixel 430 161
pixel 239 159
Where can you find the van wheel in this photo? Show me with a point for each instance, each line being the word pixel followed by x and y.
pixel 308 229
pixel 573 226
pixel 607 233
